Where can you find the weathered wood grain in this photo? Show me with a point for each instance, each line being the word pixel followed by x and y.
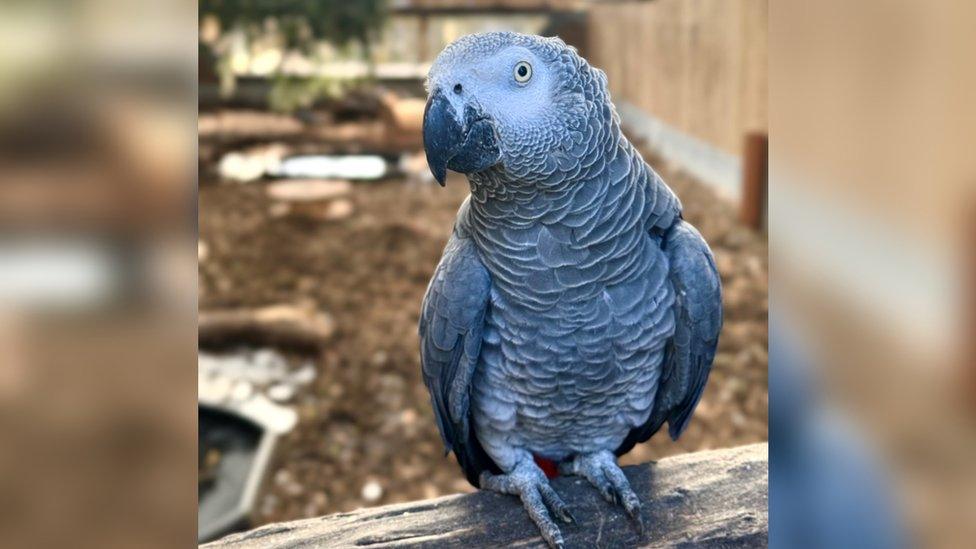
pixel 706 499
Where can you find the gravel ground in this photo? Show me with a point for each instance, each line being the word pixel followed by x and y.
pixel 366 435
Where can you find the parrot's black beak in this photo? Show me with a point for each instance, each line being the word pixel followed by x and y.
pixel 464 144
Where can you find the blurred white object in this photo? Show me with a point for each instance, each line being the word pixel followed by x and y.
pixel 252 383
pixel 251 164
pixel 331 167
pixel 372 491
pixel 57 273
pixel 308 190
pixel 281 392
pixel 242 167
pixel 242 390
pixel 339 209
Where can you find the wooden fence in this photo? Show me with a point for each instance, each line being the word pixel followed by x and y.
pixel 698 66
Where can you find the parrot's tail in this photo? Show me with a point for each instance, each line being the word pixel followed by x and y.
pixel 548 466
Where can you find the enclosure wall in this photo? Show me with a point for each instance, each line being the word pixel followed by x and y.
pixel 683 63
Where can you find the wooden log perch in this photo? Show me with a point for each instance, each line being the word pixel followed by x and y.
pixel 287 325
pixel 715 499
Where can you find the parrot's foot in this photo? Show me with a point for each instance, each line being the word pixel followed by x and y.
pixel 529 483
pixel 601 469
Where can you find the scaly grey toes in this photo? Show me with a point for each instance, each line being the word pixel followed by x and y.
pixel 625 495
pixel 538 498
pixel 591 471
pixel 602 471
pixel 590 468
pixel 555 503
pixel 534 505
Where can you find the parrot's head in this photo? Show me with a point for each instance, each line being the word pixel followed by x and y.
pixel 521 106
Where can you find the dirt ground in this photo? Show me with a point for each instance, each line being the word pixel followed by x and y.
pixel 366 435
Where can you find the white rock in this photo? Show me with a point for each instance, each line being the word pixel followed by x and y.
pixel 218 389
pixel 325 166
pixel 281 392
pixel 242 390
pixel 240 167
pixel 212 389
pixel 339 209
pixel 273 417
pixel 372 491
pixel 303 376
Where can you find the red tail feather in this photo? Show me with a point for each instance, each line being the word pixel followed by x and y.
pixel 548 466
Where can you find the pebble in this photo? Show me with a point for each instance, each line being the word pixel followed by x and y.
pixel 279 209
pixel 293 489
pixel 372 491
pixel 242 390
pixel 249 165
pixel 304 375
pixel 269 504
pixel 285 480
pixel 238 167
pixel 320 499
pixel 339 209
pixel 408 416
pixel 213 389
pixel 281 392
pixel 282 477
pixel 430 491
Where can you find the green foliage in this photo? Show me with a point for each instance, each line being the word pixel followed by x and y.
pixel 289 93
pixel 303 22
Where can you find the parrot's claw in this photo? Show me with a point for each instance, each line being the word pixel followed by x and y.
pixel 602 471
pixel 530 484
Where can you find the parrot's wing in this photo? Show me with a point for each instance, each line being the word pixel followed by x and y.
pixel 698 320
pixel 452 318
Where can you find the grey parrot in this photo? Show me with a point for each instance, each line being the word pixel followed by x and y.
pixel 573 312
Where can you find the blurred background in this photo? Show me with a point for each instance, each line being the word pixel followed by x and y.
pixel 320 226
pixel 97 273
pixel 872 200
pixel 870 235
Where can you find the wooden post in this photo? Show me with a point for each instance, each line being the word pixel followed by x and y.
pixel 755 157
pixel 969 320
pixel 423 47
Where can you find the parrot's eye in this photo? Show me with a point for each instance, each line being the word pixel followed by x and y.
pixel 523 72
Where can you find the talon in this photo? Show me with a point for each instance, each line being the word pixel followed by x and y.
pixel 602 471
pixel 553 538
pixel 555 504
pixel 634 512
pixel 565 516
